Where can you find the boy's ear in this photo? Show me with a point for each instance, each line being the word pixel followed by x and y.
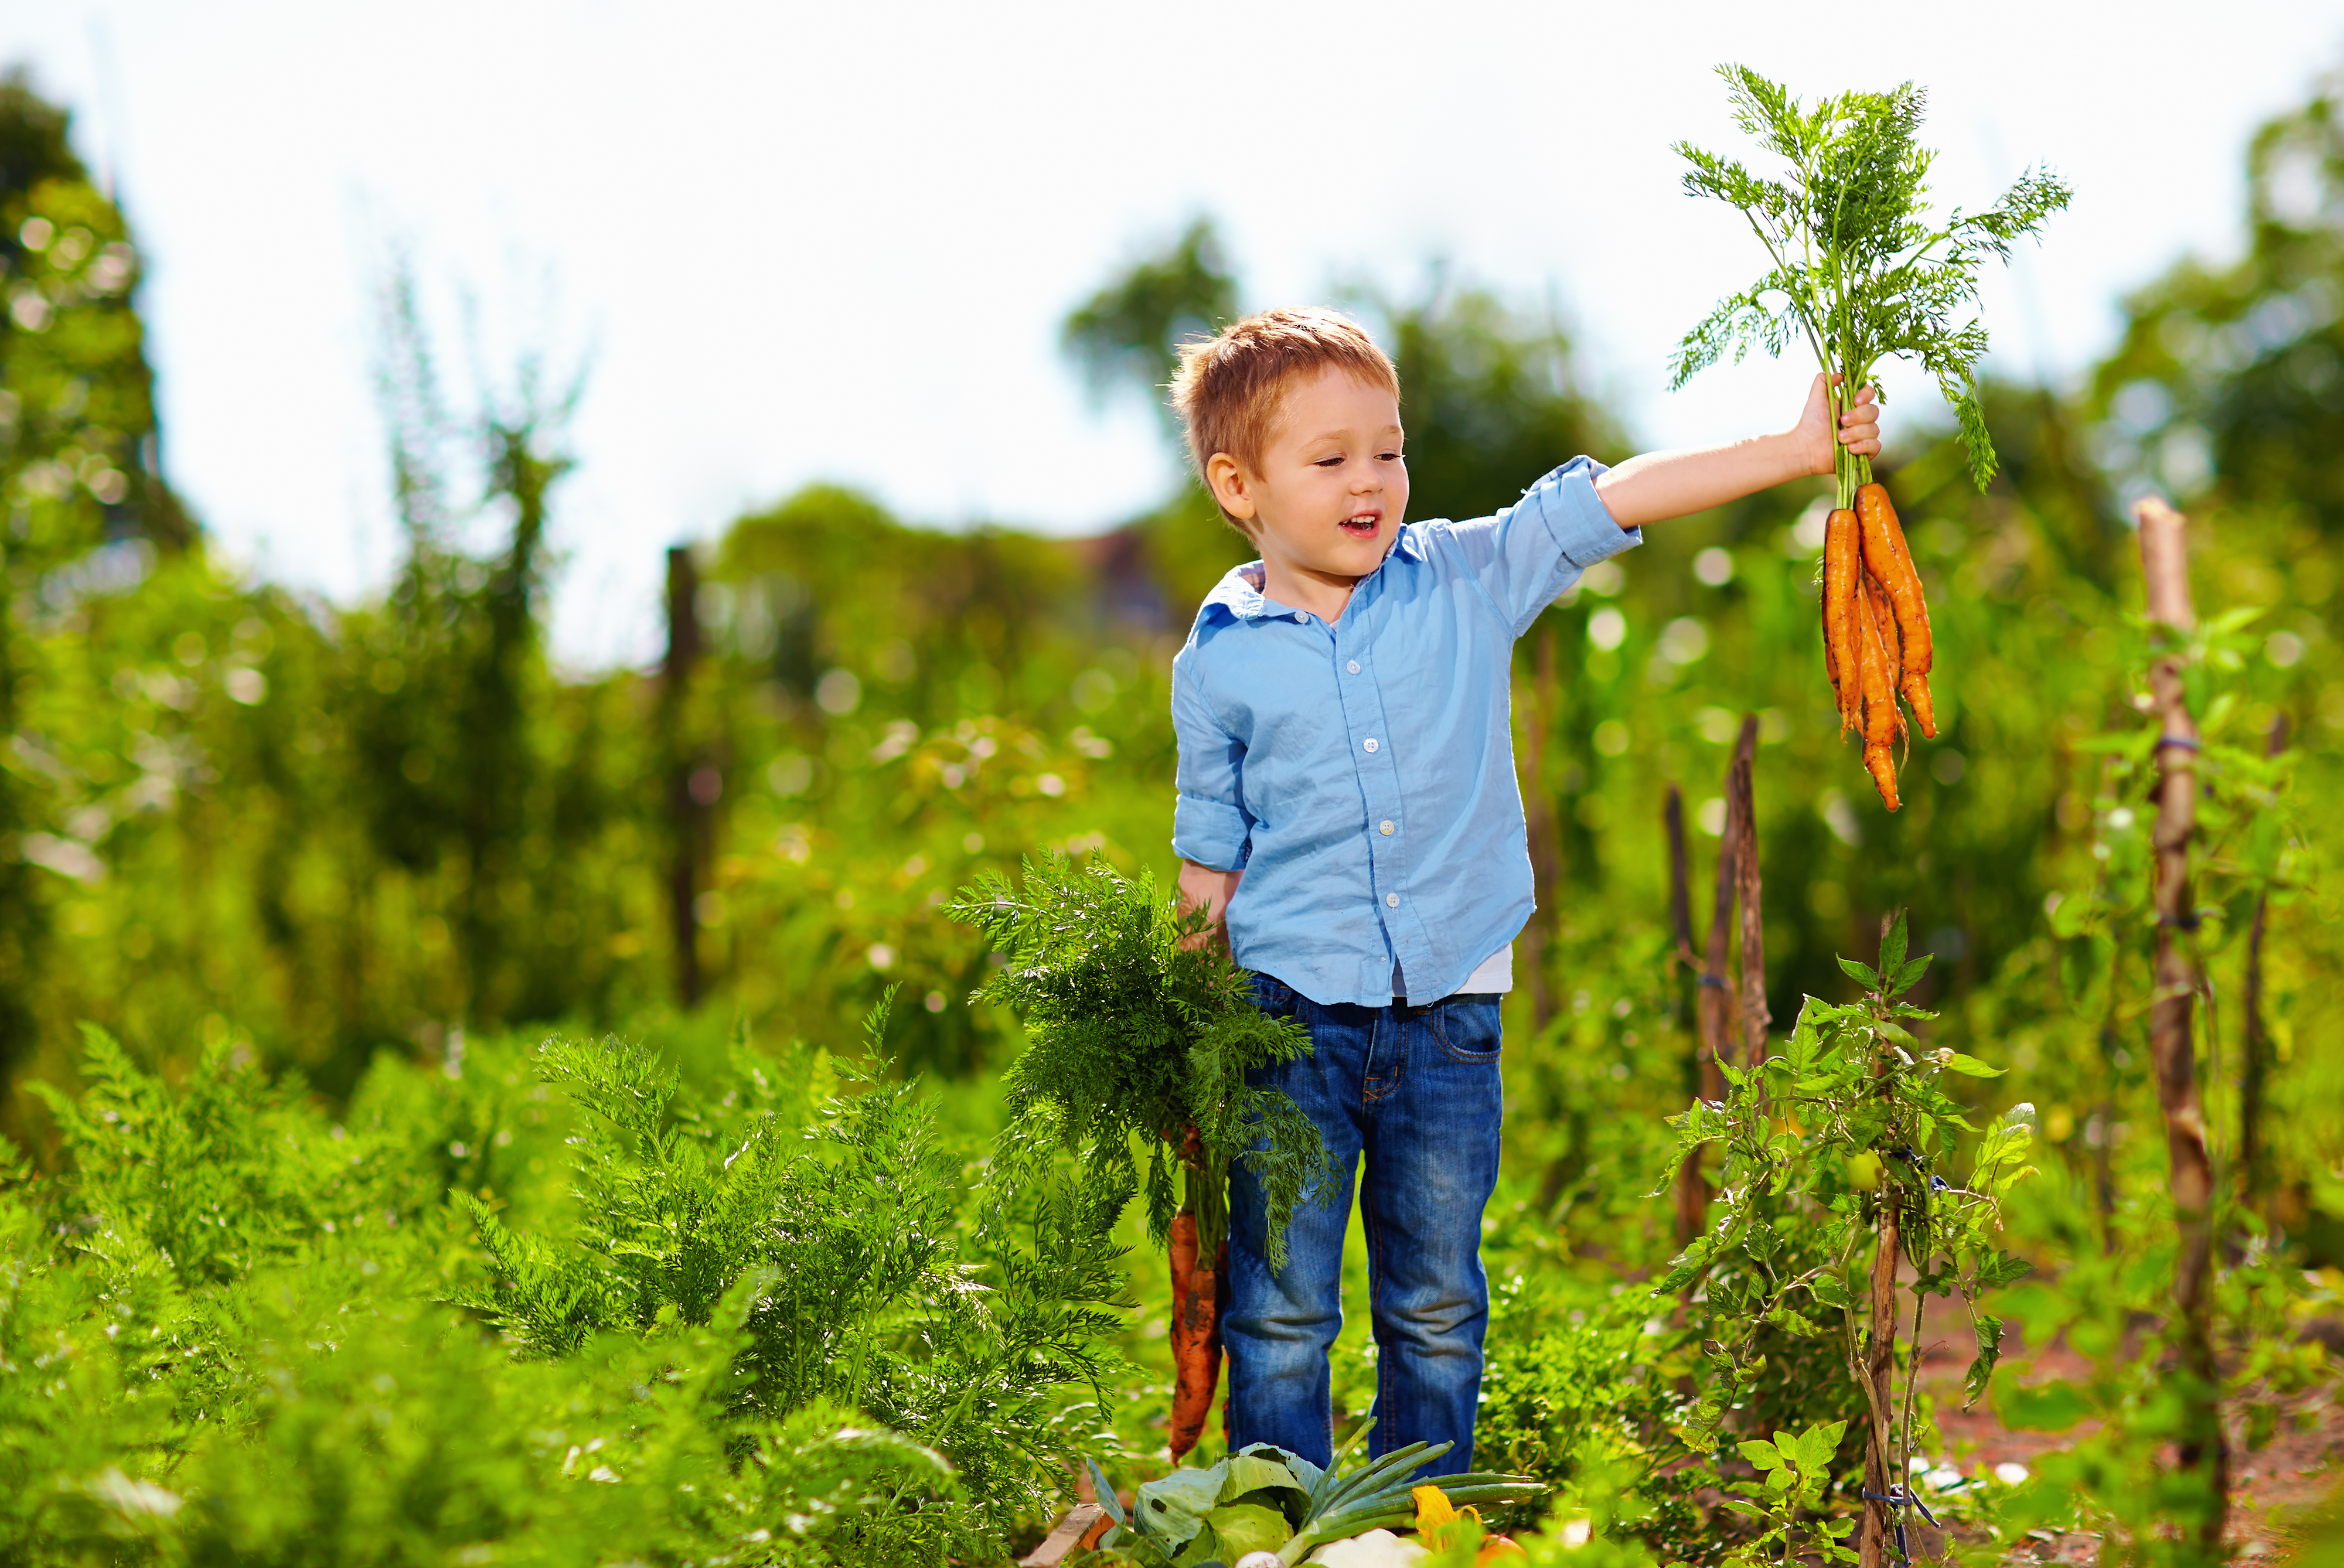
pixel 1231 485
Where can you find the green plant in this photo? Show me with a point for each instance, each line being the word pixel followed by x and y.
pixel 756 1330
pixel 835 1220
pixel 1831 1179
pixel 1590 1401
pixel 1795 1471
pixel 1861 271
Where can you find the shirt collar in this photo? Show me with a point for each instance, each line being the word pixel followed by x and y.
pixel 1238 592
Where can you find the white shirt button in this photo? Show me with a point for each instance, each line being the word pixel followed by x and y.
pixel 1391 900
pixel 1298 615
pixel 1370 742
pixel 1385 828
pixel 1353 666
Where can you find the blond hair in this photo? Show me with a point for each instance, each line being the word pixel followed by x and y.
pixel 1230 388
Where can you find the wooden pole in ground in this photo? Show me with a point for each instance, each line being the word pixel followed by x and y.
pixel 1692 1189
pixel 1879 1369
pixel 686 815
pixel 1716 1002
pixel 2254 1075
pixel 2165 563
pixel 1712 1001
pixel 1743 809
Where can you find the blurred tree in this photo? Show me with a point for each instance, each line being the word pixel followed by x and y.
pixel 2229 382
pixel 457 766
pixel 1128 335
pixel 78 438
pixel 77 465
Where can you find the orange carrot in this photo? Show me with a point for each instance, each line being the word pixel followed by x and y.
pixel 1881 720
pixel 1196 1333
pixel 1830 659
pixel 1883 622
pixel 1890 559
pixel 1841 567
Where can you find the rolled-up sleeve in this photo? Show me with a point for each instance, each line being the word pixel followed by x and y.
pixel 1527 555
pixel 1209 824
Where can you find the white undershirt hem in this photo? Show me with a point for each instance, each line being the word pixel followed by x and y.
pixel 1494 974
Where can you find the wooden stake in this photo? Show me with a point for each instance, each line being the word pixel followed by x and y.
pixel 1715 999
pixel 1742 809
pixel 688 815
pixel 2165 563
pixel 1879 1387
pixel 1692 1188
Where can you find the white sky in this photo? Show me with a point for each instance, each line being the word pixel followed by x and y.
pixel 837 241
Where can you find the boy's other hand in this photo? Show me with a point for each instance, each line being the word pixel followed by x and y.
pixel 1859 427
pixel 1202 887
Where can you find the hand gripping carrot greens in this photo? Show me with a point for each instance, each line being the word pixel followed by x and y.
pixel 1862 272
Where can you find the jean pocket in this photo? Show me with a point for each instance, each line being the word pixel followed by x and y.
pixel 1275 998
pixel 1469 1031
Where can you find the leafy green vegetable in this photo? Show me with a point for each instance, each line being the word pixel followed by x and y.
pixel 1133 1034
pixel 1195 1516
pixel 757 1329
pixel 1860 270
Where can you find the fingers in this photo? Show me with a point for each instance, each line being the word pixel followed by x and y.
pixel 1860 425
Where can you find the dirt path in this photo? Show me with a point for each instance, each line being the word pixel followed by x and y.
pixel 2274 1488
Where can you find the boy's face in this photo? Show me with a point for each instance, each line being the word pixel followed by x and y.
pixel 1331 490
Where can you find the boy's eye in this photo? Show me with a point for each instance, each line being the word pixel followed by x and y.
pixel 1328 463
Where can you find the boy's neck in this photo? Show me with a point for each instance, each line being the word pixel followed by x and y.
pixel 1322 594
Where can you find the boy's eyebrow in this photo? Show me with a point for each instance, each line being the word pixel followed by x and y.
pixel 1339 435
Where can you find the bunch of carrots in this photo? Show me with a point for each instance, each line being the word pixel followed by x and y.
pixel 1877 644
pixel 1861 271
pixel 1141 1040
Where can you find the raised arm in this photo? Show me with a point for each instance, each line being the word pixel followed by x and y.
pixel 1657 486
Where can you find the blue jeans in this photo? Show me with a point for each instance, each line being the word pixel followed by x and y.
pixel 1415 1090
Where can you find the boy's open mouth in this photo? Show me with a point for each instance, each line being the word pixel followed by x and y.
pixel 1363 524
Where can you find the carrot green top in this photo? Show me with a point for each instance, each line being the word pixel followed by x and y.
pixel 1861 270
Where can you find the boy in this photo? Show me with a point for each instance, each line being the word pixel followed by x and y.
pixel 1347 816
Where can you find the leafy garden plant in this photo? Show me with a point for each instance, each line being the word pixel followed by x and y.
pixel 754 1329
pixel 1836 1149
pixel 833 1231
pixel 1794 1474
pixel 1860 268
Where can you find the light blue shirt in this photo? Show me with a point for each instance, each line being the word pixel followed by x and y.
pixel 1363 773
